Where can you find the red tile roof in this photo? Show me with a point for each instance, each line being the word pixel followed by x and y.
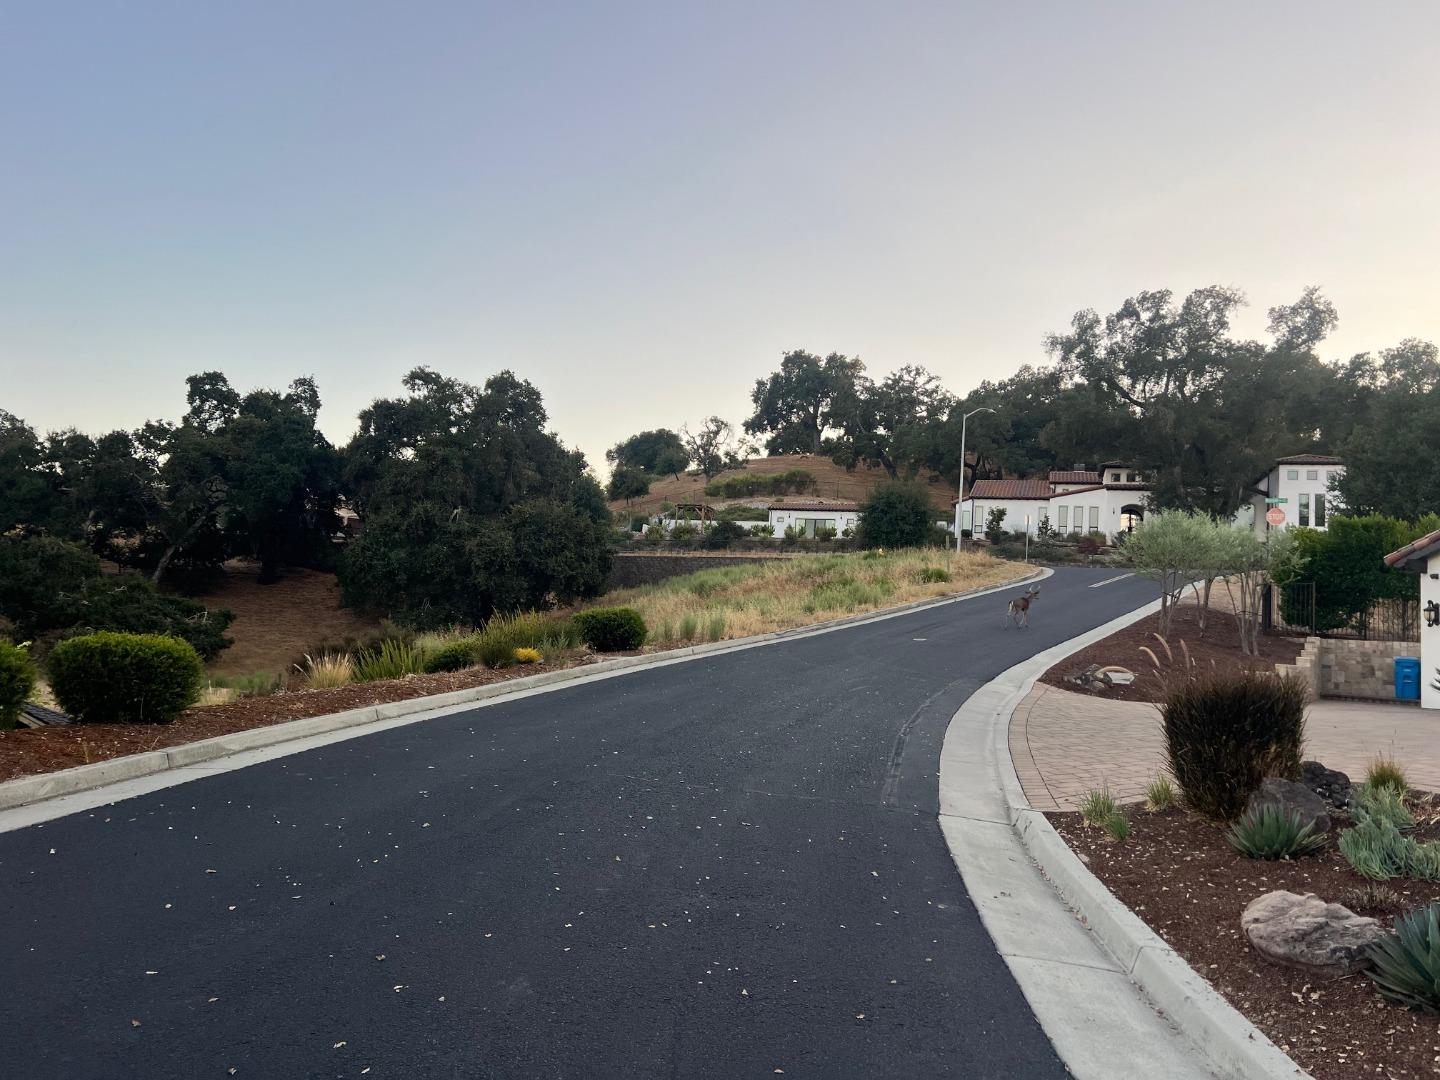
pixel 1074 476
pixel 1010 489
pixel 1310 459
pixel 845 507
pixel 1413 549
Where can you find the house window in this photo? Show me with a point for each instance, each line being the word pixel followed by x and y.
pixel 1114 477
pixel 1079 522
pixel 1130 478
pixel 1312 474
pixel 1064 513
pixel 1304 510
pixel 1319 511
pixel 1094 519
pixel 1292 474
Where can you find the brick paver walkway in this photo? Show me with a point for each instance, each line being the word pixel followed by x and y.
pixel 1064 744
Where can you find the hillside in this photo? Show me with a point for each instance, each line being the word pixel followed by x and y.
pixel 832 481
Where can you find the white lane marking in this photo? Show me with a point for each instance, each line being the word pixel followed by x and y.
pixel 1109 580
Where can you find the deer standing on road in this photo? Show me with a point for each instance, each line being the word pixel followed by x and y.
pixel 1019 610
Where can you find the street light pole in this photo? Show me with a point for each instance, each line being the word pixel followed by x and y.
pixel 960 504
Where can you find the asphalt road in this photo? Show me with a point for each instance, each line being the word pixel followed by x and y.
pixel 724 868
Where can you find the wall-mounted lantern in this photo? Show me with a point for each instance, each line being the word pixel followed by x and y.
pixel 1432 614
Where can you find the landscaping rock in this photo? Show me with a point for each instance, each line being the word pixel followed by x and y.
pixel 1292 798
pixel 1330 785
pixel 1307 933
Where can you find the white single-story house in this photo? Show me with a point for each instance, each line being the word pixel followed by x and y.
pixel 1423 557
pixel 1110 500
pixel 812 514
pixel 1296 492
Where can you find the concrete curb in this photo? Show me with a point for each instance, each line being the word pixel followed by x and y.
pixel 26 790
pixel 1231 1044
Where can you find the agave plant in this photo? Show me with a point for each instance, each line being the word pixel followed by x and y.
pixel 1407 963
pixel 1266 832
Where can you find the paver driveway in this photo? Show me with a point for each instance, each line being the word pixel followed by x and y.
pixel 722 868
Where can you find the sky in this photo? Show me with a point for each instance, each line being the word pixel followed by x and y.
pixel 640 206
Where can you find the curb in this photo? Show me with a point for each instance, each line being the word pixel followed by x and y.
pixel 1233 1045
pixel 26 790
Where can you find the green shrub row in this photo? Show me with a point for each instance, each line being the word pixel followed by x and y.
pixel 793 482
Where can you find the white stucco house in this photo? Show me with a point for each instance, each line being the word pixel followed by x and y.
pixel 1110 499
pixel 811 514
pixel 1298 490
pixel 1423 557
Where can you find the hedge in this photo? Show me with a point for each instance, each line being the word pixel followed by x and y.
pixel 113 678
pixel 17 679
pixel 611 629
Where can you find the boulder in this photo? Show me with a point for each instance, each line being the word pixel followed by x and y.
pixel 1292 798
pixel 1305 932
pixel 1330 785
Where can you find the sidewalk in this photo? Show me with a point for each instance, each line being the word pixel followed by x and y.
pixel 1065 744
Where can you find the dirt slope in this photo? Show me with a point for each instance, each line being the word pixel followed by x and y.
pixel 833 483
pixel 274 624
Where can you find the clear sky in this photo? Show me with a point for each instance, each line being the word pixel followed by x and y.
pixel 639 207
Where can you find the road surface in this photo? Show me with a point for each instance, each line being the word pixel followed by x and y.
pixel 729 867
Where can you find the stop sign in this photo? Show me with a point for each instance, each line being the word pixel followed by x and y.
pixel 1275 516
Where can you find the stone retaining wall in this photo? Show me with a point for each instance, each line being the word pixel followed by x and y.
pixel 1360 669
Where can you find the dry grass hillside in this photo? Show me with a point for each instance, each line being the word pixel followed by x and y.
pixel 275 624
pixel 832 482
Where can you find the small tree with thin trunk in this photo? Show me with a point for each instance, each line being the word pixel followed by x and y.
pixel 1173 547
pixel 1251 565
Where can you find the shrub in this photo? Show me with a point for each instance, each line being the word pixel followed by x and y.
pixel 995 525
pixel 762 530
pixel 17 679
pixel 528 656
pixel 393 659
pixel 1407 963
pixel 611 629
pixel 452 656
pixel 689 627
pixel 1385 772
pixel 1096 806
pixel 896 515
pixel 825 532
pixel 723 533
pixel 715 631
pixel 1159 794
pixel 1225 732
pixel 932 575
pixel 326 671
pixel 125 678
pixel 1265 832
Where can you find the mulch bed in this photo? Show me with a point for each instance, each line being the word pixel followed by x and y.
pixel 38 750
pixel 1218 643
pixel 1179 875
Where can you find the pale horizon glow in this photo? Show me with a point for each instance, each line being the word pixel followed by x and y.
pixel 640 207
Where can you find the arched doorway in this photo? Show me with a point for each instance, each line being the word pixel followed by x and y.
pixel 1130 516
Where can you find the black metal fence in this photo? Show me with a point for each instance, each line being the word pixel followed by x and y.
pixel 1292 609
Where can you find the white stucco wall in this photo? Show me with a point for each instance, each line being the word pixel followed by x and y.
pixel 843 519
pixel 1429 637
pixel 1279 483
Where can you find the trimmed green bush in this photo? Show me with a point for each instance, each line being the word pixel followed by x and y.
pixel 1265 832
pixel 1225 732
pixel 113 678
pixel 611 629
pixel 1407 963
pixel 453 656
pixel 17 679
